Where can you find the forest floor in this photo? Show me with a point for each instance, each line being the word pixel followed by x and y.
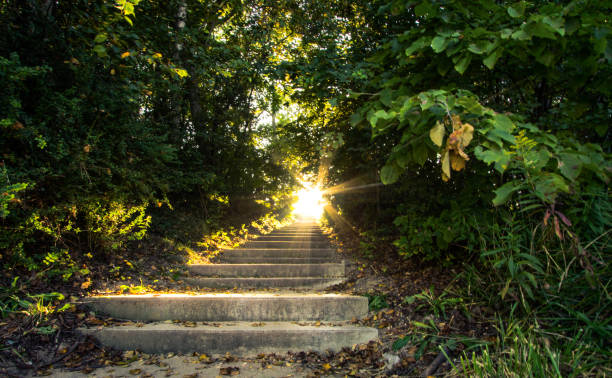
pixel 39 344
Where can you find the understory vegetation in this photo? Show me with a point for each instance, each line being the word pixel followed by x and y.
pixel 470 134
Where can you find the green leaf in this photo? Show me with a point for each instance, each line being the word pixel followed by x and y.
pixel 546 57
pixel 100 38
pixel 424 9
pixel 502 122
pixel 557 24
pixel 570 165
pixel 549 185
pixel 389 174
pixel 403 157
pixel 356 118
pixel 521 35
pixel 386 97
pixel 537 158
pixel 400 343
pixel 421 325
pixel 100 50
pixel 608 50
pixel 540 29
pixel 505 33
pixel 517 9
pixel 499 157
pixel 490 60
pixel 470 104
pixel 438 44
pixel 499 135
pixel 380 114
pixel 463 63
pixel 420 153
pixel 503 193
pixel 436 134
pixel 417 45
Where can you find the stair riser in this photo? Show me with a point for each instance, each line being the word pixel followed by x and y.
pixel 257 283
pixel 315 239
pixel 286 244
pixel 237 342
pixel 222 308
pixel 276 253
pixel 274 260
pixel 299 229
pixel 289 233
pixel 268 270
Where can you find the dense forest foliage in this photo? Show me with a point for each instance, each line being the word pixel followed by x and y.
pixel 469 133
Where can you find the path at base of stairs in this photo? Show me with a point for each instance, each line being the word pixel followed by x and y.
pixel 190 366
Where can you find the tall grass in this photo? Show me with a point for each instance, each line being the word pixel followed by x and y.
pixel 552 301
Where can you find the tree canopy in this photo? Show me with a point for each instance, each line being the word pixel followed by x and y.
pixel 458 131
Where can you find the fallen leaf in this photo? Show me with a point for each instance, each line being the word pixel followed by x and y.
pixel 229 370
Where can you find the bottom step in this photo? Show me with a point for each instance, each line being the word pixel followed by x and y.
pixel 263 282
pixel 240 338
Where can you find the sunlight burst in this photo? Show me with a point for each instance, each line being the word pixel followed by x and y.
pixel 310 203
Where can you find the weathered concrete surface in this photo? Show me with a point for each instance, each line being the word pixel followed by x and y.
pixel 269 270
pixel 187 365
pixel 300 238
pixel 314 283
pixel 287 244
pixel 271 260
pixel 239 339
pixel 254 307
pixel 274 252
pixel 299 229
pixel 297 257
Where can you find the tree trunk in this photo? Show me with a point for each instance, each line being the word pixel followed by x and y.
pixel 177 131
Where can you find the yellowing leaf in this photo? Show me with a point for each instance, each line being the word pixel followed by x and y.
pixel 125 55
pixel 456 120
pixel 467 135
pixel 457 162
pixel 446 166
pixel 436 134
pixel 181 72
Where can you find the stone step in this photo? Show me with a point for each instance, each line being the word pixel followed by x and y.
pixel 255 307
pixel 300 229
pixel 268 270
pixel 239 339
pixel 283 238
pixel 296 243
pixel 276 252
pixel 295 233
pixel 263 282
pixel 274 260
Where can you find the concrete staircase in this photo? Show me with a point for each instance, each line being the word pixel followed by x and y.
pixel 294 261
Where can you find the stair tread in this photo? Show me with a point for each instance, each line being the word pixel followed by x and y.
pixel 238 338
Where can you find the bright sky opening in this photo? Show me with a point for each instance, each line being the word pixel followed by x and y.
pixel 310 203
